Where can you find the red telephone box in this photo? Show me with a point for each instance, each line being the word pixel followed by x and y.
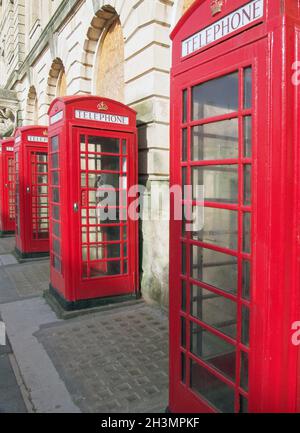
pixel 93 155
pixel 234 279
pixel 32 208
pixel 7 187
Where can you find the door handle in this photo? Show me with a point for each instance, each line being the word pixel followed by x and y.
pixel 75 207
pixel 28 190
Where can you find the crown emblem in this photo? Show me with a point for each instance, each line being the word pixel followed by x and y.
pixel 45 132
pixel 216 6
pixel 102 106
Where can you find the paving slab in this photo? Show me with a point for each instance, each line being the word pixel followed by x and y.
pixel 8 259
pixel 11 400
pixel 46 389
pixel 27 279
pixel 7 245
pixel 114 361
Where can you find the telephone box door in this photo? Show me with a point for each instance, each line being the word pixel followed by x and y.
pixel 105 234
pixel 213 255
pixel 9 192
pixel 37 207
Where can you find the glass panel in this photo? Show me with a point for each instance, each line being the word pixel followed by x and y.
pixel 248 88
pixel 54 161
pixel 183 295
pixel 245 325
pixel 82 143
pixel 55 178
pixel 56 213
pixel 213 350
pixel 243 404
pixel 184 105
pixel 183 259
pixel 214 268
pixel 215 97
pixel 220 228
pixel 57 263
pixel 183 368
pixel 56 229
pixel 247 185
pixel 248 137
pixel 103 269
pixel 216 392
pixel 55 195
pixel 247 233
pixel 104 163
pixel 214 310
pixel 246 279
pixel 103 145
pixel 244 370
pixel 220 183
pixel 183 332
pixel 54 144
pixel 184 145
pixel 124 147
pixel 216 140
pixel 56 247
pixel 99 252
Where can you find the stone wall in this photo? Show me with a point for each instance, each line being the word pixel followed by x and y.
pixel 117 48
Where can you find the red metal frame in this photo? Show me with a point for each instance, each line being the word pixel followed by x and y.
pixel 7 187
pixel 84 251
pixel 270 47
pixel 32 207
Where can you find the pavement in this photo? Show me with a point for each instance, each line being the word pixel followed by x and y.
pixel 114 360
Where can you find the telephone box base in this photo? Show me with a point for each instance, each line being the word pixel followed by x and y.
pixel 37 255
pixel 6 234
pixel 61 306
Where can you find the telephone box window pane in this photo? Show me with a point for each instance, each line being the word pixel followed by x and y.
pixel 55 195
pixel 247 185
pixel 214 310
pixel 56 247
pixel 82 143
pixel 110 234
pixel 57 263
pixel 184 106
pixel 103 269
pixel 220 183
pixel 215 140
pixel 56 229
pixel 183 368
pixel 216 392
pixel 248 137
pixel 244 370
pixel 124 147
pixel 220 228
pixel 213 350
pixel 54 160
pixel 124 233
pixel 54 144
pixel 56 213
pixel 245 325
pixel 215 97
pixel 248 88
pixel 104 163
pixel 184 145
pixel 42 179
pixel 243 404
pixel 183 295
pixel 103 145
pixel 183 264
pixel 183 332
pixel 246 279
pixel 247 233
pixel 214 268
pixel 125 267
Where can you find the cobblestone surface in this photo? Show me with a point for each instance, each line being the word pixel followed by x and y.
pixel 115 361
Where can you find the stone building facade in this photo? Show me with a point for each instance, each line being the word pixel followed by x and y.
pixel 113 48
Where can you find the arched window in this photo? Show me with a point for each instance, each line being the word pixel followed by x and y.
pixel 187 4
pixel 109 65
pixel 32 109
